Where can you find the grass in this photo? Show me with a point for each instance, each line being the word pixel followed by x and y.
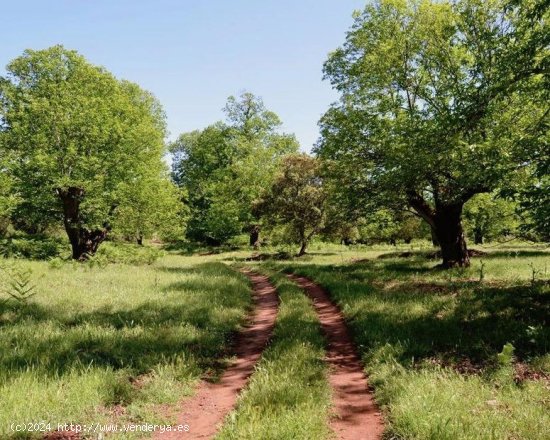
pixel 430 340
pixel 98 344
pixel 288 396
pixel 102 343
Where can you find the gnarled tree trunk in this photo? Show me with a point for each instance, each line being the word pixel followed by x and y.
pixel 83 241
pixel 448 228
pixel 445 221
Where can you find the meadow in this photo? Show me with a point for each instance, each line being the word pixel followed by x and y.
pixel 460 354
pixel 456 354
pixel 115 343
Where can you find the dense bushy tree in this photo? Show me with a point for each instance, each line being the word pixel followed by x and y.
pixel 440 101
pixel 78 134
pixel 8 197
pixel 296 200
pixel 225 167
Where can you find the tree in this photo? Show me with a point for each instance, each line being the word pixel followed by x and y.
pixel 150 206
pixel 225 167
pixel 78 133
pixel 488 217
pixel 439 101
pixel 297 199
pixel 8 197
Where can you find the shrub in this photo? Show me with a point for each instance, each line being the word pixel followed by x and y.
pixel 33 248
pixel 112 252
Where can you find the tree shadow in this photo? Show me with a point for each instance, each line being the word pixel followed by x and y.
pixel 451 321
pixel 199 327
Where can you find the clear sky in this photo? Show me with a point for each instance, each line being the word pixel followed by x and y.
pixel 193 54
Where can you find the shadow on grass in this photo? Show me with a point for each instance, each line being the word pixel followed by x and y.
pixel 197 321
pixel 451 321
pixel 516 254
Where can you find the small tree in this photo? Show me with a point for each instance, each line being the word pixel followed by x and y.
pixel 151 205
pixel 296 199
pixel 78 134
pixel 488 218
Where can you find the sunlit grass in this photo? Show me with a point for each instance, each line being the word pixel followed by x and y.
pixel 288 396
pixel 113 343
pixel 430 339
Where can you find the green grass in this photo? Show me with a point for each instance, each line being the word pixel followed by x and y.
pixel 123 343
pixel 99 344
pixel 288 396
pixel 430 340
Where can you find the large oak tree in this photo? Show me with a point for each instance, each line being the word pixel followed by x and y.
pixel 78 133
pixel 439 101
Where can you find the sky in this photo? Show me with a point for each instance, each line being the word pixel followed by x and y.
pixel 193 54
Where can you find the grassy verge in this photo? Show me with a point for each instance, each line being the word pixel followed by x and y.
pixel 114 343
pixel 432 341
pixel 288 396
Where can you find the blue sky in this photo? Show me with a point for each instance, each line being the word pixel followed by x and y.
pixel 193 54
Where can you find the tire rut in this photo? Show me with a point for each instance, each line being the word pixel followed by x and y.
pixel 356 416
pixel 205 411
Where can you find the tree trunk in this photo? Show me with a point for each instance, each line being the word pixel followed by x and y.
pixel 478 236
pixel 303 248
pixel 435 241
pixel 449 232
pixel 83 241
pixel 255 236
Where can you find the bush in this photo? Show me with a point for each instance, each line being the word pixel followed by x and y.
pixel 111 252
pixel 33 248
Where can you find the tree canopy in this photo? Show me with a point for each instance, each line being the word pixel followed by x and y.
pixel 296 200
pixel 78 134
pixel 225 167
pixel 439 101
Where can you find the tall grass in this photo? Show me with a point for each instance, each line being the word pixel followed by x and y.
pixel 430 341
pixel 102 343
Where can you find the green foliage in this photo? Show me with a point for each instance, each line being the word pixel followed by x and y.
pixel 126 254
pixel 490 218
pixel 506 356
pixel 439 101
pixel 535 202
pixel 150 206
pixel 386 226
pixel 74 125
pixel 31 247
pixel 17 283
pixel 225 167
pixel 296 200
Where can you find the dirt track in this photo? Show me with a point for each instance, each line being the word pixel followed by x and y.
pixel 356 416
pixel 205 411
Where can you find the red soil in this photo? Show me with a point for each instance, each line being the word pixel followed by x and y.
pixel 356 414
pixel 205 411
